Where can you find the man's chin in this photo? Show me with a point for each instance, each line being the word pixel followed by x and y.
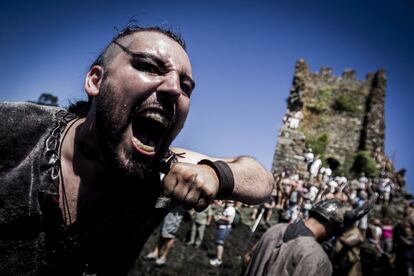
pixel 138 170
pixel 138 167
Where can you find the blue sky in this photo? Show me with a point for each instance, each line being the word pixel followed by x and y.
pixel 243 55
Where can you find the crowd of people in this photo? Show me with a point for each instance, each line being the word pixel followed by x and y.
pixel 384 236
pixel 224 213
pixel 380 242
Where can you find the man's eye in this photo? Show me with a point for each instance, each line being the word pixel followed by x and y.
pixel 186 88
pixel 146 67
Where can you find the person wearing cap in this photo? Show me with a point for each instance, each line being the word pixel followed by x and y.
pixel 294 249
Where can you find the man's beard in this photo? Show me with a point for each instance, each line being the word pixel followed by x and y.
pixel 111 126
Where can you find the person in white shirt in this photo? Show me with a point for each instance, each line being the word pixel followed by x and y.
pixel 363 181
pixel 223 222
pixel 332 185
pixel 309 156
pixel 327 175
pixel 313 192
pixel 314 168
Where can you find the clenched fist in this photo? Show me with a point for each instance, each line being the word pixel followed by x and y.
pixel 192 185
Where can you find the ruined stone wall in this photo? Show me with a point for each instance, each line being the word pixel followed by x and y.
pixel 373 135
pixel 339 115
pixel 291 143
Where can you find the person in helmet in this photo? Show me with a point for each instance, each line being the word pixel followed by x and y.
pixel 294 249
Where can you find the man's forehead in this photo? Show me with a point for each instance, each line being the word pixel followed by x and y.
pixel 158 44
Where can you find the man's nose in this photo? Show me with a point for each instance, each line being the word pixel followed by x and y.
pixel 170 87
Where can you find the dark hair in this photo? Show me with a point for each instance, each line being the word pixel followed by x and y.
pixel 102 59
pixel 82 107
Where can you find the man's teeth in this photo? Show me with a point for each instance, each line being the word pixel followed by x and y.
pixel 140 145
pixel 156 116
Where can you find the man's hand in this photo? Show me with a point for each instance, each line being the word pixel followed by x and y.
pixel 253 184
pixel 193 186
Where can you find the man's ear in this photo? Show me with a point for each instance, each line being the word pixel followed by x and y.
pixel 93 80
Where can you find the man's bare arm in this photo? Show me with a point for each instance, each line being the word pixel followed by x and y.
pixel 253 184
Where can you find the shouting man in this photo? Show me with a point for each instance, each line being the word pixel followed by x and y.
pixel 80 188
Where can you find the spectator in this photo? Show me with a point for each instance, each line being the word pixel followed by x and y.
pixel 363 222
pixel 371 251
pixel 314 168
pixel 255 211
pixel 295 200
pixel 385 187
pixel 169 228
pixel 376 232
pixel 363 180
pixel 268 208
pixel 341 196
pixel 400 178
pixel 286 190
pixel 309 156
pixel 404 248
pixel 333 185
pixel 200 221
pixel 353 194
pixel 327 173
pixel 313 192
pixel 223 222
pixel 347 258
pixel 307 205
pixel 387 235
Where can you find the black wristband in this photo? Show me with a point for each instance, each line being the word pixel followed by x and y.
pixel 225 176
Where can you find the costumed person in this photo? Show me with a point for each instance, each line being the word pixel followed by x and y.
pixel 80 187
pixel 294 249
pixel 347 258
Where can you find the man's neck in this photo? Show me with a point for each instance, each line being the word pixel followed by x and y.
pixel 316 228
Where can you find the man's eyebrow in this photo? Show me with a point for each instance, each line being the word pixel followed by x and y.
pixel 140 54
pixel 159 62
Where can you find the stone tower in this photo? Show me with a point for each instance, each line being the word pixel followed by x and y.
pixel 337 116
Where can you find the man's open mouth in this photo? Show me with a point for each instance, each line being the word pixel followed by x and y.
pixel 149 127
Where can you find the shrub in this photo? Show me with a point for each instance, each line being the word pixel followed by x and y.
pixel 325 95
pixel 345 168
pixel 345 102
pixel 316 108
pixel 318 145
pixel 322 101
pixel 363 162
